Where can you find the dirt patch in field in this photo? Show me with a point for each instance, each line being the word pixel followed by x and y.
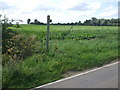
pixel 70 73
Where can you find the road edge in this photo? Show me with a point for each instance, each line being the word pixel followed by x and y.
pixel 70 77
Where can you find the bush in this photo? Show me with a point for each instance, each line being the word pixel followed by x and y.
pixel 7 35
pixel 15 45
pixel 23 46
pixel 20 47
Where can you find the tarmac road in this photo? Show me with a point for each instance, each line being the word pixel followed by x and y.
pixel 105 77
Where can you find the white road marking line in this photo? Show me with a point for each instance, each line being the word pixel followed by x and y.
pixel 75 75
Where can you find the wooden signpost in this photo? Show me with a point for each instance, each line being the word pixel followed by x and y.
pixel 48 32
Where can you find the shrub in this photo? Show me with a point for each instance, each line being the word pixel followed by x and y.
pixel 23 46
pixel 15 45
pixel 19 47
pixel 7 35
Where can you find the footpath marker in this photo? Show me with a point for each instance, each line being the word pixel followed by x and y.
pixel 48 32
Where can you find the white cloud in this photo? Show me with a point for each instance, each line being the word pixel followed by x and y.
pixel 66 4
pixel 58 9
pixel 44 8
pixel 109 12
pixel 108 8
pixel 93 1
pixel 5 6
pixel 86 6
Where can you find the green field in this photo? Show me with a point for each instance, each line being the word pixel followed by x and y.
pixel 72 48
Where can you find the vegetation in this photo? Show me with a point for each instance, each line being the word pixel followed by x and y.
pixel 28 21
pixel 36 22
pixel 91 22
pixel 72 48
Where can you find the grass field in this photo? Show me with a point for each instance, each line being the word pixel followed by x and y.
pixel 72 48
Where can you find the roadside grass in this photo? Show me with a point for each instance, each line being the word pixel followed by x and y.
pixel 84 47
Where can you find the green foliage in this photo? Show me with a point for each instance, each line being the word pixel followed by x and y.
pixel 83 47
pixel 28 73
pixel 17 46
pixel 93 22
pixel 28 21
pixel 7 34
pixel 21 47
pixel 5 58
pixel 102 22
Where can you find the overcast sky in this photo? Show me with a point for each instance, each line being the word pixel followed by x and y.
pixel 60 10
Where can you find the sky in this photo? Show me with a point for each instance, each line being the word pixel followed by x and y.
pixel 62 11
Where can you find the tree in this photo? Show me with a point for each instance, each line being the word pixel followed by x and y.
pixel 79 23
pixel 94 21
pixel 28 21
pixel 93 18
pixel 87 22
pixel 35 20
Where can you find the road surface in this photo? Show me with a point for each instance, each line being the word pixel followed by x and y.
pixel 103 77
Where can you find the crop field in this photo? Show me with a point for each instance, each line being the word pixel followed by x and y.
pixel 72 48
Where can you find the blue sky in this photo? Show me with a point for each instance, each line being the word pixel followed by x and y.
pixel 60 10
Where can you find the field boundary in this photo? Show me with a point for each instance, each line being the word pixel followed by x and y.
pixel 83 73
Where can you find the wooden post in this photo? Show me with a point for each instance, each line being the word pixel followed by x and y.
pixel 47 33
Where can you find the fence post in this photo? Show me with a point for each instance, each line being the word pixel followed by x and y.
pixel 47 33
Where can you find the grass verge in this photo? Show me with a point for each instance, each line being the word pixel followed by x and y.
pixel 83 48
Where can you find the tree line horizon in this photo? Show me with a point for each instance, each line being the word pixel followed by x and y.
pixel 90 22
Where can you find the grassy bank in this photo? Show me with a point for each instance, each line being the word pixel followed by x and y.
pixel 76 49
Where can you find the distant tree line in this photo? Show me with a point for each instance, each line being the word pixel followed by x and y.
pixel 102 22
pixel 91 22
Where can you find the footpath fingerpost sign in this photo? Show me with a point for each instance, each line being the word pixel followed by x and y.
pixel 48 32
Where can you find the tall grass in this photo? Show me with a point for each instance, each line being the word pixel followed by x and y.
pixel 82 48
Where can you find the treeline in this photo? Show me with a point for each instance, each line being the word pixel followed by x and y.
pixel 102 22
pixel 91 22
